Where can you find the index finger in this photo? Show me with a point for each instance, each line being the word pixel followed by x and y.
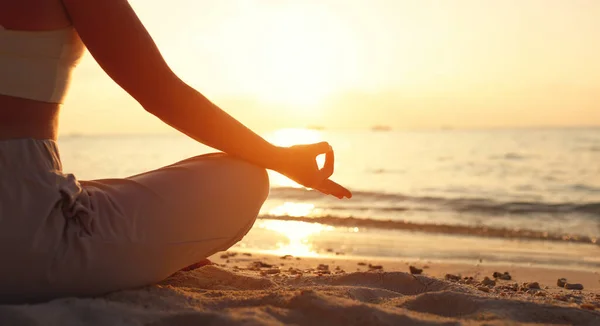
pixel 328 166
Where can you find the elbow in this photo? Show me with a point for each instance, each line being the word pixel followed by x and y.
pixel 159 96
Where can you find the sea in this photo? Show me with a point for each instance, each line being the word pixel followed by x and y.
pixel 503 196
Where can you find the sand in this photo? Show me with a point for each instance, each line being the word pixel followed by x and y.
pixel 242 289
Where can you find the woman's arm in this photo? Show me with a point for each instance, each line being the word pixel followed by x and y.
pixel 121 45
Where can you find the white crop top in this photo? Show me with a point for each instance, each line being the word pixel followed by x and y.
pixel 37 65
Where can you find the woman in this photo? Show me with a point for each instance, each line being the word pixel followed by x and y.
pixel 63 237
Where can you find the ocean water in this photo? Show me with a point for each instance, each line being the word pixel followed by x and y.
pixel 530 188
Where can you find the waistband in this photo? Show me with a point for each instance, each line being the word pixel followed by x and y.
pixel 30 155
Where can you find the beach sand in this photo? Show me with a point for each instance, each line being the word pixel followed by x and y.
pixel 254 289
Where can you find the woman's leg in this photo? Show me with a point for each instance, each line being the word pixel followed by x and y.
pixel 136 231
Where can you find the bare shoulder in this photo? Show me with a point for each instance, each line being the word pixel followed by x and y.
pixel 33 14
pixel 120 43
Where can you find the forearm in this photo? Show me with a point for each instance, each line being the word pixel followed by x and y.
pixel 193 114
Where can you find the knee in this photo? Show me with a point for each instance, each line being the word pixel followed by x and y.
pixel 245 181
pixel 252 189
pixel 254 182
pixel 251 181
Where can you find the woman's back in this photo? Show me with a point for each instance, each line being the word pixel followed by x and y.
pixel 33 15
pixel 26 116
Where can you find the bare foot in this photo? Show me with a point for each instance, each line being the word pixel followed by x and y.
pixel 199 264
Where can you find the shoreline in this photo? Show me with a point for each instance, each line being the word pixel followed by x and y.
pixel 313 240
pixel 450 263
pixel 449 229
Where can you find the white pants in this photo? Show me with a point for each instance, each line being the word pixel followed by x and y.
pixel 64 237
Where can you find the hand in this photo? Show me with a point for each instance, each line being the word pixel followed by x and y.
pixel 299 163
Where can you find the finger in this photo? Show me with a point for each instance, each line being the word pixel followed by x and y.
pixel 319 148
pixel 331 187
pixel 327 169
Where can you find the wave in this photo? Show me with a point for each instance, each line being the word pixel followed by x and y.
pixel 585 188
pixel 386 171
pixel 476 230
pixel 463 205
pixel 509 156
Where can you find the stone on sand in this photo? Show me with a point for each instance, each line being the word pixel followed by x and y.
pixel 488 282
pixel 414 270
pixel 573 286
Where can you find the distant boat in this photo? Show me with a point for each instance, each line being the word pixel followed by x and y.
pixel 315 128
pixel 381 128
pixel 74 135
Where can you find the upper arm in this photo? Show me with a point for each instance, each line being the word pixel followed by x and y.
pixel 121 45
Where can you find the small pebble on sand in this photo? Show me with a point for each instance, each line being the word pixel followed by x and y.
pixel 503 276
pixel 273 271
pixel 561 282
pixel 375 267
pixel 228 255
pixel 573 286
pixel 286 256
pixel 533 285
pixel 247 254
pixel 414 270
pixel 329 250
pixel 484 289
pixel 560 297
pixel 323 267
pixel 451 277
pixel 362 264
pixel 488 282
pixel 258 265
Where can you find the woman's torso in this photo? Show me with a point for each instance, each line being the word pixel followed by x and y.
pixel 20 117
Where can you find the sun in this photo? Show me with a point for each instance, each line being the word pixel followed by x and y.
pixel 294 136
pixel 299 61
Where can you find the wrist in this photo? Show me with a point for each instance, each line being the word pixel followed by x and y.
pixel 277 159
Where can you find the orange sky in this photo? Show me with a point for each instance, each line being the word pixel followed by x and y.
pixel 353 64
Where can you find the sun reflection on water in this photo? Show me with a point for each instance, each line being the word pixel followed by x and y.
pixel 298 234
pixel 293 209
